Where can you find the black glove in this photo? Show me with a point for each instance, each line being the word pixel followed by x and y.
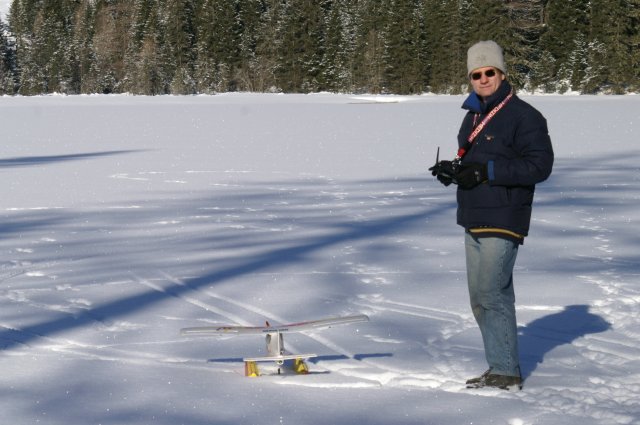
pixel 471 175
pixel 444 171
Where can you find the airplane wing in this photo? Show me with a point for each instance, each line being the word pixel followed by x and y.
pixel 292 327
pixel 280 358
pixel 323 323
pixel 221 330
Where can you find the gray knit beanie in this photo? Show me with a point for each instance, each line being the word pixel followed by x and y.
pixel 485 53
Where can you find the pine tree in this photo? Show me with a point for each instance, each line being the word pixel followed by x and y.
pixel 180 41
pixel 250 16
pixel 112 22
pixel 403 70
pixel 54 51
pixel 562 46
pixel 50 38
pixel 633 44
pixel 144 61
pixel 7 62
pixel 218 42
pixel 487 20
pixel 83 41
pixel 613 35
pixel 22 21
pixel 372 16
pixel 268 46
pixel 527 22
pixel 339 47
pixel 22 14
pixel 300 45
pixel 445 58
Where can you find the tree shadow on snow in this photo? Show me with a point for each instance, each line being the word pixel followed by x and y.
pixel 41 160
pixel 272 255
pixel 543 335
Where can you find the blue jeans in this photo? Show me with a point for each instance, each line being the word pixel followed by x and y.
pixel 490 264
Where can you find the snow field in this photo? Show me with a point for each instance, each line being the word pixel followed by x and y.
pixel 127 218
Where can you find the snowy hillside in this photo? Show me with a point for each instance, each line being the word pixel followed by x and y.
pixel 125 219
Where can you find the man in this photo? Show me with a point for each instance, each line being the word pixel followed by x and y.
pixel 504 150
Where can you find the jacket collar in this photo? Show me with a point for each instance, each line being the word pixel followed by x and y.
pixel 474 104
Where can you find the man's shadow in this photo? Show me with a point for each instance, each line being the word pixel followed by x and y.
pixel 539 337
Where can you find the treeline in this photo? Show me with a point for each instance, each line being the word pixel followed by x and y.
pixel 376 46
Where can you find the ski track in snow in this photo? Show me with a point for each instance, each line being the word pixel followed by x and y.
pixel 267 228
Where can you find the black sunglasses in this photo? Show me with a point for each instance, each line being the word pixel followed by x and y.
pixel 488 73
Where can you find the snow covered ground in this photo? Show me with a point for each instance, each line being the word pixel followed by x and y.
pixel 127 218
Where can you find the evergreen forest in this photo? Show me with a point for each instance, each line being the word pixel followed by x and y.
pixel 154 47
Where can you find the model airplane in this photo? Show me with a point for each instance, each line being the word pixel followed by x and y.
pixel 275 340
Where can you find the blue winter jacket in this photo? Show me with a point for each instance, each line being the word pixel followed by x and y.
pixel 517 149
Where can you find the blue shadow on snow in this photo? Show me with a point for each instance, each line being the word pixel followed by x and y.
pixel 541 336
pixel 276 257
pixel 41 160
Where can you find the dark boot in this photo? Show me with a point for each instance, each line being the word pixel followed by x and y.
pixel 474 382
pixel 503 382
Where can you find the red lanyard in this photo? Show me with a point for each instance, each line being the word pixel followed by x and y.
pixel 463 150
